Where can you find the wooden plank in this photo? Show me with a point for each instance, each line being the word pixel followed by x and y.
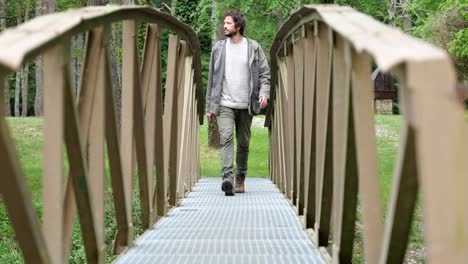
pixel 170 117
pixel 184 97
pixel 53 181
pixel 151 35
pixel 190 131
pixel 140 144
pixel 85 105
pixel 310 59
pixel 127 109
pixel 96 153
pixel 287 176
pixel 344 172
pixel 299 116
pixel 290 126
pixel 277 153
pixel 181 94
pixel 194 148
pixel 160 192
pixel 274 152
pixel 149 78
pixel 271 154
pixel 149 72
pixel 79 172
pixel 124 235
pixel 324 172
pixel 366 149
pixel 442 165
pixel 279 105
pixel 17 198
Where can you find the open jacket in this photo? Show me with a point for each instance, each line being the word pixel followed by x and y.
pixel 259 76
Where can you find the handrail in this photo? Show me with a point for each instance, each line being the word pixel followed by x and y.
pixel 163 137
pixel 323 144
pixel 26 41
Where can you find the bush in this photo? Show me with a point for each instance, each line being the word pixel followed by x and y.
pixel 448 29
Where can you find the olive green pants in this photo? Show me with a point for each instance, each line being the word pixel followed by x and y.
pixel 230 119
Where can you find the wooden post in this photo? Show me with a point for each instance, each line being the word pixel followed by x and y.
pixel 170 118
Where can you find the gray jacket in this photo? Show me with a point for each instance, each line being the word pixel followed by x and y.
pixel 259 76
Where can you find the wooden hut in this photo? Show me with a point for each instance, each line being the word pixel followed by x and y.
pixel 384 92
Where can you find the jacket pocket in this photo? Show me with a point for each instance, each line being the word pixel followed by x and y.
pixel 254 105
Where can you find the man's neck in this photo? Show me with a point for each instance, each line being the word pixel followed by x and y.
pixel 236 39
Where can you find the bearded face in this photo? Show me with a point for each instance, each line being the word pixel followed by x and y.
pixel 230 27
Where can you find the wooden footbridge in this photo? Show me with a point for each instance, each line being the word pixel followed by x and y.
pixel 323 158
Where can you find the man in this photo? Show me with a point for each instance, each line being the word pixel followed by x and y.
pixel 238 88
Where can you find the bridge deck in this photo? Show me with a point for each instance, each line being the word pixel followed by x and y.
pixel 258 226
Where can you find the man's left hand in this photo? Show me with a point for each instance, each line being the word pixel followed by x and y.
pixel 263 102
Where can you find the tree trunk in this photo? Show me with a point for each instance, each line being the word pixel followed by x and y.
pixel 39 87
pixel 78 61
pixel 7 97
pixel 51 6
pixel 96 2
pixel 7 83
pixel 116 44
pixel 24 92
pixel 20 72
pixel 173 7
pixel 213 130
pixel 17 92
pixel 25 75
pixel 39 82
pixel 75 48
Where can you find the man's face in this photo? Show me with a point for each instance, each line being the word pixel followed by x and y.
pixel 230 27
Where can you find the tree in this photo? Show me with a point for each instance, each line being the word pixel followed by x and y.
pixel 7 83
pixel 116 66
pixel 50 6
pixel 39 71
pixel 97 2
pixel 19 73
pixel 445 24
pixel 25 75
pixel 214 139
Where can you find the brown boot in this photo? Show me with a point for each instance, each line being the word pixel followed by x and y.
pixel 228 185
pixel 240 183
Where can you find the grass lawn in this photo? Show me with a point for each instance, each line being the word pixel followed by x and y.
pixel 27 133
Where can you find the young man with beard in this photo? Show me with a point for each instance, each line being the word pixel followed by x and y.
pixel 238 88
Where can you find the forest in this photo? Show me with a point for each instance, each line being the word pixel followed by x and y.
pixel 441 22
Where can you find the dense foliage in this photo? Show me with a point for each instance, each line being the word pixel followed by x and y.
pixel 442 22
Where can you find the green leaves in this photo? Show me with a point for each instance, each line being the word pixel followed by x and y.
pixel 458 46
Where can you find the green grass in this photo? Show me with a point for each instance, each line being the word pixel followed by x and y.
pixel 387 131
pixel 27 133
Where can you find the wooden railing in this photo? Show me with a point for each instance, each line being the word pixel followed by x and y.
pixel 323 142
pixel 158 134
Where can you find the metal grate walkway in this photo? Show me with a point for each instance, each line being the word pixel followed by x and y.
pixel 258 226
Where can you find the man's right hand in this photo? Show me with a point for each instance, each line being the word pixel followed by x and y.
pixel 210 116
